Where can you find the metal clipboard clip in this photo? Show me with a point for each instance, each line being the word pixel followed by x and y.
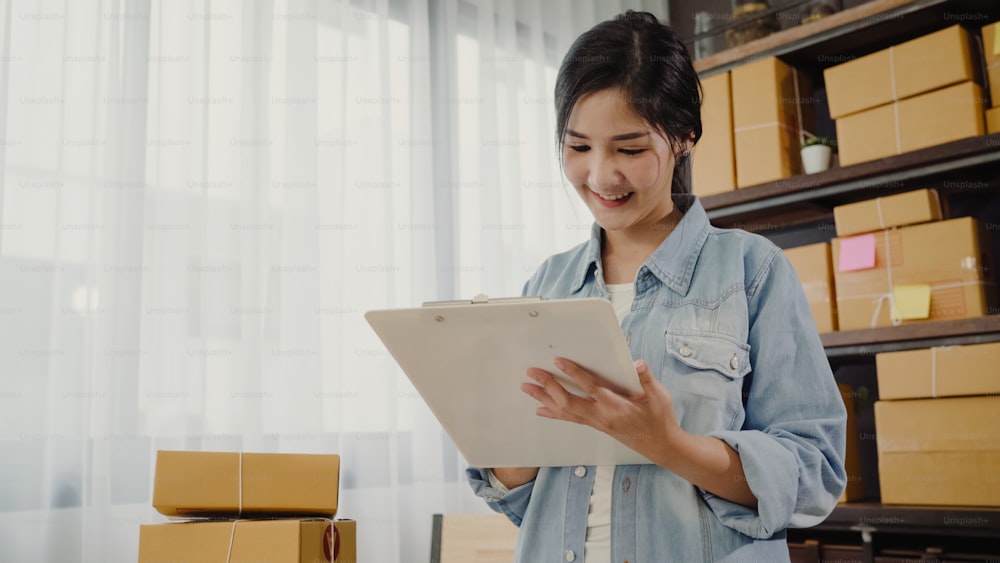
pixel 482 299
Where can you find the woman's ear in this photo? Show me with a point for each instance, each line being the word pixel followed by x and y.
pixel 685 146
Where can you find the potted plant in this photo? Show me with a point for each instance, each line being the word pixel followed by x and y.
pixel 817 153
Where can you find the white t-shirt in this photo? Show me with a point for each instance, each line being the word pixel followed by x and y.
pixel 598 540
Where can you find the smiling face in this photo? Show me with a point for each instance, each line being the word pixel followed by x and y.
pixel 620 166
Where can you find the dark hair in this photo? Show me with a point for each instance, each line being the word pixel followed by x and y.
pixel 647 61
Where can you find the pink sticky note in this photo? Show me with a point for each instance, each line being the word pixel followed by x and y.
pixel 857 253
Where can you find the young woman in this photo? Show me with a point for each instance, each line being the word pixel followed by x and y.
pixel 740 413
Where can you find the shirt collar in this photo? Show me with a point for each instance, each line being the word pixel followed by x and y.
pixel 672 262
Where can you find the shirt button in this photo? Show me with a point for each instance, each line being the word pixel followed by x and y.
pixel 580 471
pixel 627 484
pixel 735 362
pixel 685 350
pixel 570 556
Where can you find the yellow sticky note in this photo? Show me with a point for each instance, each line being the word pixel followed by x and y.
pixel 911 301
pixel 996 40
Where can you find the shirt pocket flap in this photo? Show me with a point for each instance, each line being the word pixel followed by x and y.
pixel 704 350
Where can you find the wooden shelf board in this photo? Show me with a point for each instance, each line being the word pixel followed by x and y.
pixel 859 181
pixel 888 517
pixel 868 342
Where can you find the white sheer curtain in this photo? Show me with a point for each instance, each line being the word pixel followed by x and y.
pixel 200 199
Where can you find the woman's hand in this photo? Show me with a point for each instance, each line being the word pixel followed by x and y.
pixel 645 423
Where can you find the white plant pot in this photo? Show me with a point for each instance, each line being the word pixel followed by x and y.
pixel 816 158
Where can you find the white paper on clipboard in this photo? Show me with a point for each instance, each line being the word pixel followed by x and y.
pixel 468 359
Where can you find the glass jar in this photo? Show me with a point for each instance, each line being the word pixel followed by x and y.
pixel 818 9
pixel 751 20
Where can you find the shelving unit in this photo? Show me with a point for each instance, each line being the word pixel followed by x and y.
pixel 853 33
pixel 966 172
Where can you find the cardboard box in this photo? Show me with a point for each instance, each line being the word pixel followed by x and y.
pixel 939 451
pixel 908 208
pixel 939 372
pixel 869 135
pixel 991 50
pixel 993 76
pixel 852 456
pixel 946 255
pixel 923 121
pixel 813 265
pixel 941 116
pixel 713 159
pixel 478 538
pixel 924 64
pixel 211 483
pixel 993 120
pixel 278 541
pixel 769 98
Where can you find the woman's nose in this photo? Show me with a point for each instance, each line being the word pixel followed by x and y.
pixel 603 173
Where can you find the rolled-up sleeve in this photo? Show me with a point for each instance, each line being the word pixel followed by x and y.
pixel 792 441
pixel 513 503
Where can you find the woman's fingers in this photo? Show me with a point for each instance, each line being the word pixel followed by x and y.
pixel 583 378
pixel 548 391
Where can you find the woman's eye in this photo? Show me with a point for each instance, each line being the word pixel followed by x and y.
pixel 632 151
pixel 580 148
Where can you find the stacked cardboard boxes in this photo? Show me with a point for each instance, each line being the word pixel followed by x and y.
pixel 267 507
pixel 713 160
pixel 991 50
pixel 938 426
pixel 888 274
pixel 753 120
pixel 911 96
pixel 773 104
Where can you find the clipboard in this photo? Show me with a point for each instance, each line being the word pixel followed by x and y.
pixel 467 359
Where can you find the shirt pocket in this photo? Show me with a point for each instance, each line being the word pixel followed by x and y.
pixel 711 352
pixel 707 378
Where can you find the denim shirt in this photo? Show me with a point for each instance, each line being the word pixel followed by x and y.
pixel 722 320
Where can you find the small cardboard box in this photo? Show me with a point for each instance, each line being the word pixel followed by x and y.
pixel 939 451
pixel 993 120
pixel 280 541
pixel 813 265
pixel 950 371
pixel 908 208
pixel 946 255
pixel 772 103
pixel 220 483
pixel 924 64
pixel 852 455
pixel 923 121
pixel 991 48
pixel 713 160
